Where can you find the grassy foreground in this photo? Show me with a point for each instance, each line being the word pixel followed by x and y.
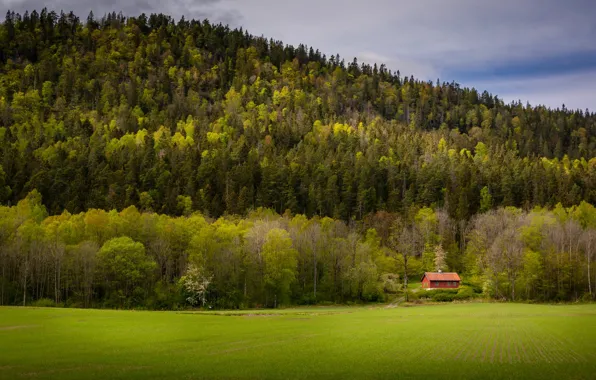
pixel 452 341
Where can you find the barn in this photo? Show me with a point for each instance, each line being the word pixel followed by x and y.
pixel 440 280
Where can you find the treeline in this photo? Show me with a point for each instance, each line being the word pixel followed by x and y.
pixel 179 117
pixel 133 259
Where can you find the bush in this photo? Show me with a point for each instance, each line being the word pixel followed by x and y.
pixel 443 297
pixel 115 300
pixel 391 283
pixel 43 302
pixel 412 296
pixel 431 294
pixel 424 294
pixel 74 304
pixel 465 294
pixel 307 299
pixel 477 289
pixel 448 295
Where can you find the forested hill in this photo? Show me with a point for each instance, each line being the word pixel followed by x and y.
pixel 176 117
pixel 141 159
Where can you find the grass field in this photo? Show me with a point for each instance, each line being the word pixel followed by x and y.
pixel 479 341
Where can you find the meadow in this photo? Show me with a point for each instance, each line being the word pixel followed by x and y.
pixel 472 341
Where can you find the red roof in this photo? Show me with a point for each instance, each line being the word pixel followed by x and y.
pixel 435 276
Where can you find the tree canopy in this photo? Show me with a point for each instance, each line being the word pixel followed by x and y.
pixel 177 117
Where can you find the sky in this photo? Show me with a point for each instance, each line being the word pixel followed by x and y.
pixel 537 51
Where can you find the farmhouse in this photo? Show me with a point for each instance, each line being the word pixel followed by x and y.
pixel 440 280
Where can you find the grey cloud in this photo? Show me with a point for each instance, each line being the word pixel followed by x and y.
pixel 440 32
pixel 576 91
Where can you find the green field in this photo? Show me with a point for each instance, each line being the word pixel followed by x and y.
pixel 451 341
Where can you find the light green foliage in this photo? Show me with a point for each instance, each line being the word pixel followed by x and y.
pixel 124 264
pixel 184 205
pixel 442 145
pixel 280 263
pixel 266 259
pixel 481 151
pixel 363 280
pixel 427 223
pixel 532 273
pixel 145 201
pixel 31 208
pixel 426 220
pixel 486 200
pixel 585 214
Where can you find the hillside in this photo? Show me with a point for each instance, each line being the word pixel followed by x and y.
pixel 151 163
pixel 144 111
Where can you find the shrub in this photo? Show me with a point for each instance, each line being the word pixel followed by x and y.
pixel 413 296
pixel 44 302
pixel 477 289
pixel 307 299
pixel 391 283
pixel 465 294
pixel 443 297
pixel 74 304
pixel 165 297
pixel 436 292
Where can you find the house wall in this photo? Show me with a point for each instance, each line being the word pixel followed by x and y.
pixel 425 283
pixel 444 284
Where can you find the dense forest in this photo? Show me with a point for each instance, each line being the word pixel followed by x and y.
pixel 134 259
pixel 142 158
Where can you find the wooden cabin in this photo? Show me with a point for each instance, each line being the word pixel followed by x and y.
pixel 440 280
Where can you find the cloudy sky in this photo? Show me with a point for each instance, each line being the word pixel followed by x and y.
pixel 541 51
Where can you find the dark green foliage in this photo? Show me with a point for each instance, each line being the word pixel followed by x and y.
pixel 43 302
pixel 447 295
pixel 443 297
pixel 467 286
pixel 439 295
pixel 465 293
pixel 414 296
pixel 188 116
